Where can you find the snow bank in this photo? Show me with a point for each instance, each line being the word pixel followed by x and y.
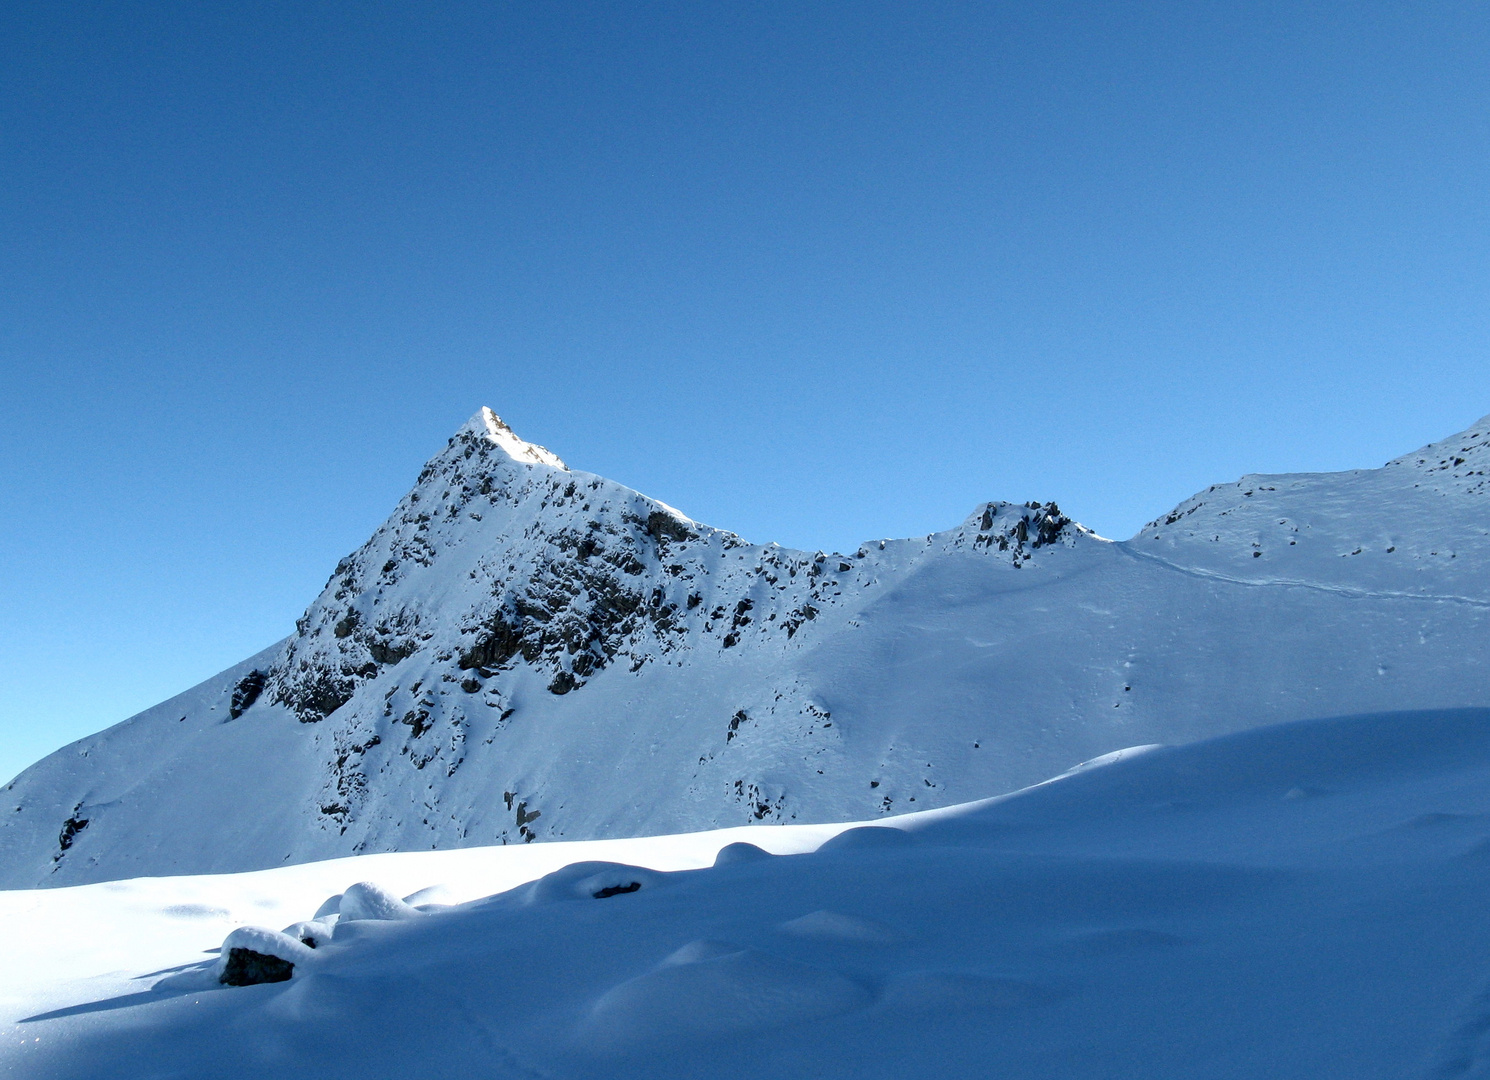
pixel 712 989
pixel 1168 916
pixel 368 901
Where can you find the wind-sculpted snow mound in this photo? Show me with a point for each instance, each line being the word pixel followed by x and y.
pixel 712 989
pixel 1177 914
pixel 525 651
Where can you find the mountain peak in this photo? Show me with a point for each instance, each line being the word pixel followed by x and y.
pixel 523 652
pixel 487 424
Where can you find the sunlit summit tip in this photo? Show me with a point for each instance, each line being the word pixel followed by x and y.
pixel 516 448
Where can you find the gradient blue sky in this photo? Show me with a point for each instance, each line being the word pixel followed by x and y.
pixel 812 272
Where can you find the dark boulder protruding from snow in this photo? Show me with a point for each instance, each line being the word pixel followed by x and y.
pixel 255 954
pixel 245 967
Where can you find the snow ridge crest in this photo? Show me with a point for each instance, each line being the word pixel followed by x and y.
pixel 496 431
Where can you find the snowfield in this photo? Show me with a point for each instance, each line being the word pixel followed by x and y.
pixel 1308 900
pixel 529 652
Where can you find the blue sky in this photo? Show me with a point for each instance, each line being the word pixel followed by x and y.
pixel 812 272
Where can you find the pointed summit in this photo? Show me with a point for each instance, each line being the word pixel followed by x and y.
pixel 489 425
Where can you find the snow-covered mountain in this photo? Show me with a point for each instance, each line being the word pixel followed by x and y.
pixel 524 651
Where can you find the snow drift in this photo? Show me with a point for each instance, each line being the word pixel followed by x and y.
pixel 1299 902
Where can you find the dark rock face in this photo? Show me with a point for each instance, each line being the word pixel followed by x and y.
pixel 1029 528
pixel 247 692
pixel 616 890
pixel 386 652
pixel 248 968
pixel 70 829
pixel 664 527
pixel 497 642
pixel 321 689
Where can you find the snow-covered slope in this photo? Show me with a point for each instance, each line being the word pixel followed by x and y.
pixel 524 651
pixel 1300 902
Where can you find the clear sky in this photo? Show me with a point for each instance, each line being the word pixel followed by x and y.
pixel 816 273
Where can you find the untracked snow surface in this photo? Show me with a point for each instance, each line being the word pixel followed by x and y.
pixel 1305 901
pixel 528 652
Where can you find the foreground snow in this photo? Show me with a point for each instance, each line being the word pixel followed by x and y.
pixel 1307 900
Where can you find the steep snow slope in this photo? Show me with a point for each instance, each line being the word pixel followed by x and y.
pixel 1303 901
pixel 524 651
